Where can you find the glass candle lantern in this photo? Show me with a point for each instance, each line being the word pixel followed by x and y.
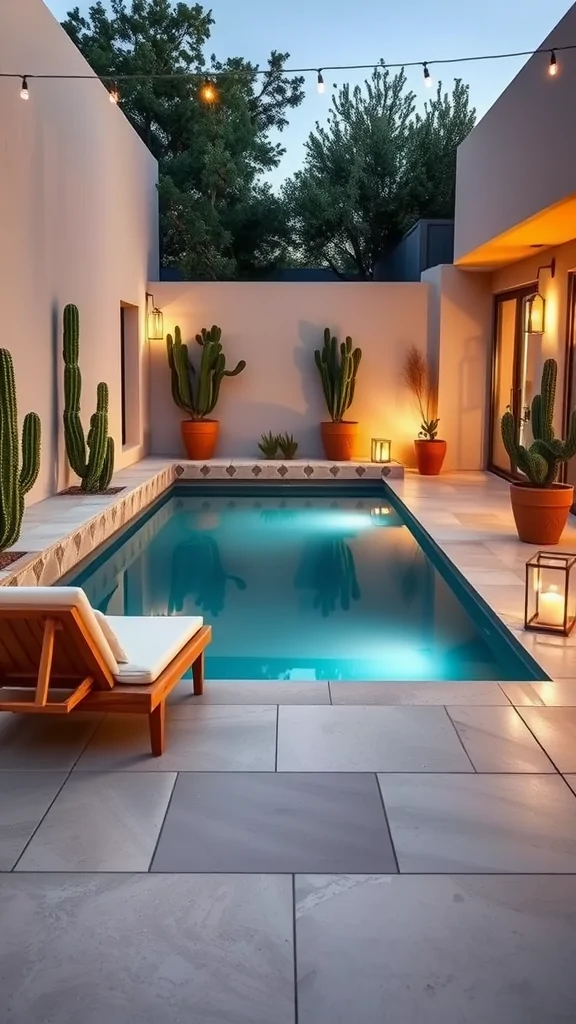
pixel 550 600
pixel 381 449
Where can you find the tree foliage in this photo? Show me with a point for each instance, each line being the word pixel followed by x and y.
pixel 374 169
pixel 218 217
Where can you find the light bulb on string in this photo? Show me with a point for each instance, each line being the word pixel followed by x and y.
pixel 208 93
pixel 114 95
pixel 321 87
pixel 24 94
pixel 427 76
pixel 553 65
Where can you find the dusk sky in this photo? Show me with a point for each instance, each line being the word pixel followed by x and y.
pixel 322 32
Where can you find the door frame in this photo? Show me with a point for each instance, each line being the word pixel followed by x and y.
pixel 569 389
pixel 520 293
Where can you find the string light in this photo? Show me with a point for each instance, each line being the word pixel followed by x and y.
pixel 114 95
pixel 209 93
pixel 321 87
pixel 427 76
pixel 553 65
pixel 24 90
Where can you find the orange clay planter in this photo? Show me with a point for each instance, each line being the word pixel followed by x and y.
pixel 200 438
pixel 540 513
pixel 430 456
pixel 339 440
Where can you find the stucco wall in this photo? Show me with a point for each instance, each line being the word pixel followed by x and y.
pixel 276 328
pixel 520 158
pixel 78 223
pixel 460 331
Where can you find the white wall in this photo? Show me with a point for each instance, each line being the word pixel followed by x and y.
pixel 276 328
pixel 78 223
pixel 520 158
pixel 461 333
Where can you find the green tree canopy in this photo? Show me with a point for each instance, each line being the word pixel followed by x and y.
pixel 374 169
pixel 218 217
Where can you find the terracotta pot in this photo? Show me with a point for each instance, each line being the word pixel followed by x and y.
pixel 540 513
pixel 430 456
pixel 200 437
pixel 339 440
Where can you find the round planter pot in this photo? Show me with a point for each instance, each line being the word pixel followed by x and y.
pixel 339 440
pixel 430 456
pixel 540 513
pixel 200 438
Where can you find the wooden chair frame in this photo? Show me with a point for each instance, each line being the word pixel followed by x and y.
pixel 47 650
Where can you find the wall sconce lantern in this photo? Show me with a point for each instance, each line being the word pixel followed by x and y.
pixel 154 320
pixel 550 600
pixel 380 450
pixel 536 304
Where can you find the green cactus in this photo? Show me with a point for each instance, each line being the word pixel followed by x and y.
pixel 338 369
pixel 196 392
pixel 91 458
pixel 540 462
pixel 14 482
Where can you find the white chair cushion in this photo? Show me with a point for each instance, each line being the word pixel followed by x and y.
pixel 115 645
pixel 58 597
pixel 151 643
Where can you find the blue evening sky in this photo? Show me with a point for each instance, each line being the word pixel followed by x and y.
pixel 323 32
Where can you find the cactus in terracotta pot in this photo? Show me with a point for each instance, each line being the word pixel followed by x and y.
pixel 338 368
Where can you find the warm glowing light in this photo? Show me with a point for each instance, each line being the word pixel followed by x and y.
pixel 380 449
pixel 536 314
pixel 427 76
pixel 114 95
pixel 550 607
pixel 208 93
pixel 24 90
pixel 321 87
pixel 553 65
pixel 154 321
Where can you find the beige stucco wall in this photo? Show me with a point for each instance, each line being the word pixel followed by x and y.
pixel 520 158
pixel 276 328
pixel 78 223
pixel 460 331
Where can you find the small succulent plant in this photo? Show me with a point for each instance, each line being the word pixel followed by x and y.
pixel 268 445
pixel 287 445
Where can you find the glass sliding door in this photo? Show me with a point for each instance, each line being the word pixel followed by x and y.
pixel 514 373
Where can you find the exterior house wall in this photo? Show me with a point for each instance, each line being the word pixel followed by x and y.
pixel 78 223
pixel 276 328
pixel 520 158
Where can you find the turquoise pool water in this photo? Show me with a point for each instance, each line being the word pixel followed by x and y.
pixel 303 584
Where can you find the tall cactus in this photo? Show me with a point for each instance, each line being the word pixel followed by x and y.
pixel 338 368
pixel 91 458
pixel 541 460
pixel 14 482
pixel 196 393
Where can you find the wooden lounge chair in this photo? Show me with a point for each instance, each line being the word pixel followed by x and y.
pixel 58 654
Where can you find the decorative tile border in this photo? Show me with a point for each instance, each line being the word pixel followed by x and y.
pixel 295 469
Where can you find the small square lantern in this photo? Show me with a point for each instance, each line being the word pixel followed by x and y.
pixel 550 600
pixel 154 320
pixel 380 450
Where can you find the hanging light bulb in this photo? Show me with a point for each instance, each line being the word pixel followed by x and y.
pixel 321 87
pixel 553 65
pixel 24 90
pixel 113 95
pixel 208 93
pixel 427 76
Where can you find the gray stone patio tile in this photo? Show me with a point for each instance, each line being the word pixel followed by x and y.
pixel 522 694
pixel 417 693
pixel 274 822
pixel 496 740
pixel 102 822
pixel 368 739
pixel 483 823
pixel 555 729
pixel 24 799
pixel 242 692
pixel 145 949
pixel 571 780
pixel 464 950
pixel 208 739
pixel 50 743
pixel 558 693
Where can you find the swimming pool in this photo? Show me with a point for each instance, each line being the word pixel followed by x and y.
pixel 304 583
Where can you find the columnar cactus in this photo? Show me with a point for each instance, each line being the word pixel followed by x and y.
pixel 541 460
pixel 91 458
pixel 14 482
pixel 338 369
pixel 197 393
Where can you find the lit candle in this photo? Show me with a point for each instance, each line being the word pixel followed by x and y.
pixel 551 608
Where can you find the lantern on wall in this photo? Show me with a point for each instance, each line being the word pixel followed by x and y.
pixel 550 599
pixel 380 449
pixel 536 304
pixel 154 320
